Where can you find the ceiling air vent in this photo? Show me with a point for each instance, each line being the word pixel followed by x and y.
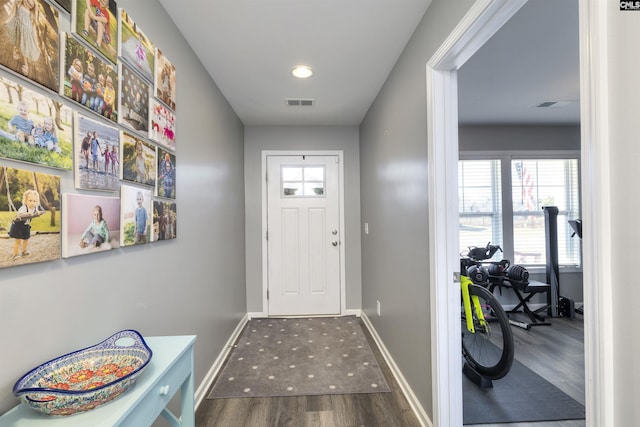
pixel 300 102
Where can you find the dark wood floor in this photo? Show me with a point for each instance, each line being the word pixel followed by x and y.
pixel 555 352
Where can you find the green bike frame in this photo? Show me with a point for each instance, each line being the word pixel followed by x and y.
pixel 467 301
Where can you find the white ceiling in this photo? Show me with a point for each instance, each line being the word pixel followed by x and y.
pixel 250 46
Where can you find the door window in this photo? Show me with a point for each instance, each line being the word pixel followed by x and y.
pixel 302 181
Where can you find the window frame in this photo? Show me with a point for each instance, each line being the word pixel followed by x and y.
pixel 505 158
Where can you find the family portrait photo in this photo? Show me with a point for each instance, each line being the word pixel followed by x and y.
pixel 96 21
pixel 29 217
pixel 30 40
pixel 165 80
pixel 164 220
pixel 134 100
pixel 135 48
pixel 33 127
pixel 89 80
pixel 135 215
pixel 138 160
pixel 90 224
pixel 97 155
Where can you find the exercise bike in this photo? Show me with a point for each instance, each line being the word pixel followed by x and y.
pixel 487 339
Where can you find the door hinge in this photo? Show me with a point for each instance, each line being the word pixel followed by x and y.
pixel 266 236
pixel 267 293
pixel 456 277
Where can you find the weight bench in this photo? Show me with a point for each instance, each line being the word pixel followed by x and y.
pixel 529 288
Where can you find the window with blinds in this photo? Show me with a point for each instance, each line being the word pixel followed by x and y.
pixel 531 184
pixel 480 203
pixel 544 182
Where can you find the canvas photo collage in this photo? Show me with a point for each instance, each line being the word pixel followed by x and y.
pixel 83 91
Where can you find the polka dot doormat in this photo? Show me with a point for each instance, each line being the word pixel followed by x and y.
pixel 294 357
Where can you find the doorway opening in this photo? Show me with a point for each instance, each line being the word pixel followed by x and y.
pixel 483 19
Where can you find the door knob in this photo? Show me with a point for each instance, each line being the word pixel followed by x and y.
pixel 334 243
pixel 334 232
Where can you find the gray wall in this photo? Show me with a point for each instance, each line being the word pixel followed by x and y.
pixel 193 285
pixel 514 137
pixel 393 162
pixel 259 138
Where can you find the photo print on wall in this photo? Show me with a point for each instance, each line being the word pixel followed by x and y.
pixel 29 217
pixel 96 22
pixel 134 100
pixel 89 80
pixel 135 48
pixel 34 128
pixel 138 160
pixel 165 80
pixel 97 155
pixel 90 224
pixel 31 42
pixel 162 124
pixel 135 215
pixel 164 220
pixel 166 182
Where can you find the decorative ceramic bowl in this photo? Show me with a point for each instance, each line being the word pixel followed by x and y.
pixel 84 379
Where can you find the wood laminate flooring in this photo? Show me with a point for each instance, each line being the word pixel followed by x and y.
pixel 555 352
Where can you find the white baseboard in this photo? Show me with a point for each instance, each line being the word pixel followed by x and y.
pixel 263 315
pixel 422 416
pixel 257 315
pixel 352 312
pixel 201 392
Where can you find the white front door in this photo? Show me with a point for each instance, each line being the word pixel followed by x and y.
pixel 303 235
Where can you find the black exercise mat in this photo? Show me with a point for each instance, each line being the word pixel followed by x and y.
pixel 521 396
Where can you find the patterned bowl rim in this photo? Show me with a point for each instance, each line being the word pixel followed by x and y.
pixel 126 333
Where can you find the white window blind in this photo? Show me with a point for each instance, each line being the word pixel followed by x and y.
pixel 480 203
pixel 544 182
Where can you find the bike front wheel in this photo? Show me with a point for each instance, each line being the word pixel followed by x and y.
pixel 489 349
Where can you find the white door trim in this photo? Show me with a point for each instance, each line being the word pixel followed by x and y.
pixel 596 245
pixel 265 271
pixel 483 19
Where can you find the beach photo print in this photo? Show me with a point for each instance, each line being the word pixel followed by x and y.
pixel 97 155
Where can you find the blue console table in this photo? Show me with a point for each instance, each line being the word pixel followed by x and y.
pixel 170 370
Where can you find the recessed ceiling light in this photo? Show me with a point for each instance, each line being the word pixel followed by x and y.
pixel 302 71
